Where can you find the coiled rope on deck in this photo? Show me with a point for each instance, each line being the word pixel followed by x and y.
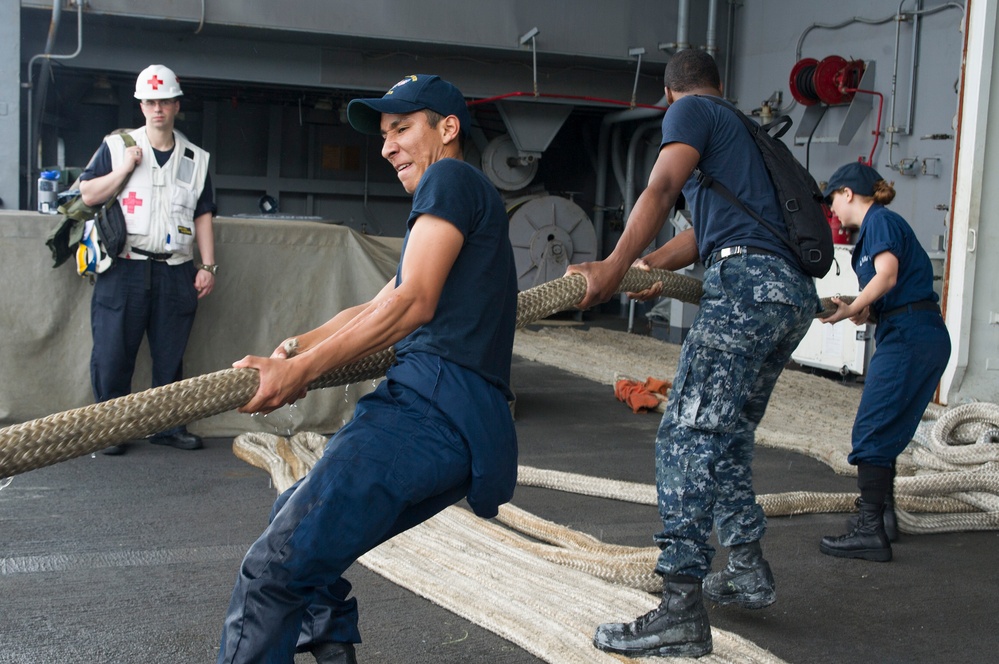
pixel 956 467
pixel 929 502
pixel 553 583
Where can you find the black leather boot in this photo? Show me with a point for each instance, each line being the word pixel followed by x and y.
pixel 678 627
pixel 890 520
pixel 867 540
pixel 746 581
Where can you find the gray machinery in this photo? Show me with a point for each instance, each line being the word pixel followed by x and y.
pixel 548 233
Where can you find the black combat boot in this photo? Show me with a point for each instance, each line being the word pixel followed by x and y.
pixel 678 627
pixel 746 581
pixel 867 540
pixel 890 520
pixel 876 484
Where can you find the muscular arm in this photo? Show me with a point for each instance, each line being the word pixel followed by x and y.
pixel 360 331
pixel 675 163
pixel 679 252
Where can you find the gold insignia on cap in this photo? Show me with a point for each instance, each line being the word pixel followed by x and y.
pixel 404 81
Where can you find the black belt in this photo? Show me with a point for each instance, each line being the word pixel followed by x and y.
pixel 152 254
pixel 728 252
pixel 923 305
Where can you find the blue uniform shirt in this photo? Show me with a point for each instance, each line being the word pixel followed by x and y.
pixel 728 154
pixel 476 315
pixel 884 230
pixel 460 360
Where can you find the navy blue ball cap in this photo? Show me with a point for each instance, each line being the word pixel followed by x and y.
pixel 859 177
pixel 413 93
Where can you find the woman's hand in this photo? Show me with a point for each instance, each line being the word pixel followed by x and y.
pixel 842 311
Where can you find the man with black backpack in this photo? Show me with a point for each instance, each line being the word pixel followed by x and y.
pixel 163 191
pixel 757 305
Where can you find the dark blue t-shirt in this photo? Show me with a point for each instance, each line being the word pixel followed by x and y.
pixel 476 315
pixel 100 165
pixel 728 154
pixel 884 230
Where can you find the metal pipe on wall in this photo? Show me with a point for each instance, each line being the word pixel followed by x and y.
pixel 916 13
pixel 34 124
pixel 617 154
pixel 711 45
pixel 916 29
pixel 610 120
pixel 891 129
pixel 729 45
pixel 603 159
pixel 682 24
pixel 633 143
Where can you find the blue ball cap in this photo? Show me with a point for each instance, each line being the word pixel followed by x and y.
pixel 859 177
pixel 413 93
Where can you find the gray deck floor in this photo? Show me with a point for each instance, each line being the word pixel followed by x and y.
pixel 131 559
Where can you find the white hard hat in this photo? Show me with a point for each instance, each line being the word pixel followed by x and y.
pixel 157 82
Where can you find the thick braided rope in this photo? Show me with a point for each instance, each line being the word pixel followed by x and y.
pixel 957 466
pixel 469 566
pixel 62 436
pixel 965 434
pixel 73 433
pixel 287 460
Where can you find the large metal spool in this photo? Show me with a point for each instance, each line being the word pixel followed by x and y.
pixel 548 233
pixel 505 166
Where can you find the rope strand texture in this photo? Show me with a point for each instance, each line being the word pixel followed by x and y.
pixel 63 436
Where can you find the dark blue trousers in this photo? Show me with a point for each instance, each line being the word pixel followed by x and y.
pixel 135 299
pixel 394 465
pixel 911 354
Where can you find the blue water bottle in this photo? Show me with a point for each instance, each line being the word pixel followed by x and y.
pixel 47 185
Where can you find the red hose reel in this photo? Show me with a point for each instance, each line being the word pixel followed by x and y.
pixel 832 80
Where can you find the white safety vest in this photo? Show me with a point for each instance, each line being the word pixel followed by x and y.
pixel 159 202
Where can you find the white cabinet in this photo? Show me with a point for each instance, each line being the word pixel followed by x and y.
pixel 842 347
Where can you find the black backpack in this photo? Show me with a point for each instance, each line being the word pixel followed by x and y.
pixel 800 200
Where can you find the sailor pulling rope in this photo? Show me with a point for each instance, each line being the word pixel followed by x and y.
pixel 69 434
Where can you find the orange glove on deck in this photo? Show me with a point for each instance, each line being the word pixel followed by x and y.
pixel 635 395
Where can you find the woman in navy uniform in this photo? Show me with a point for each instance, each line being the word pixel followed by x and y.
pixel 913 347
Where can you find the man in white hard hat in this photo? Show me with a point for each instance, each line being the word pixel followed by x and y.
pixel 153 288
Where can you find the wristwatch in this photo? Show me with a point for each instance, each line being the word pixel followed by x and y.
pixel 214 269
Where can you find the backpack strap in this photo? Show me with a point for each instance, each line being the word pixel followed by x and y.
pixel 783 123
pixel 706 180
pixel 129 143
